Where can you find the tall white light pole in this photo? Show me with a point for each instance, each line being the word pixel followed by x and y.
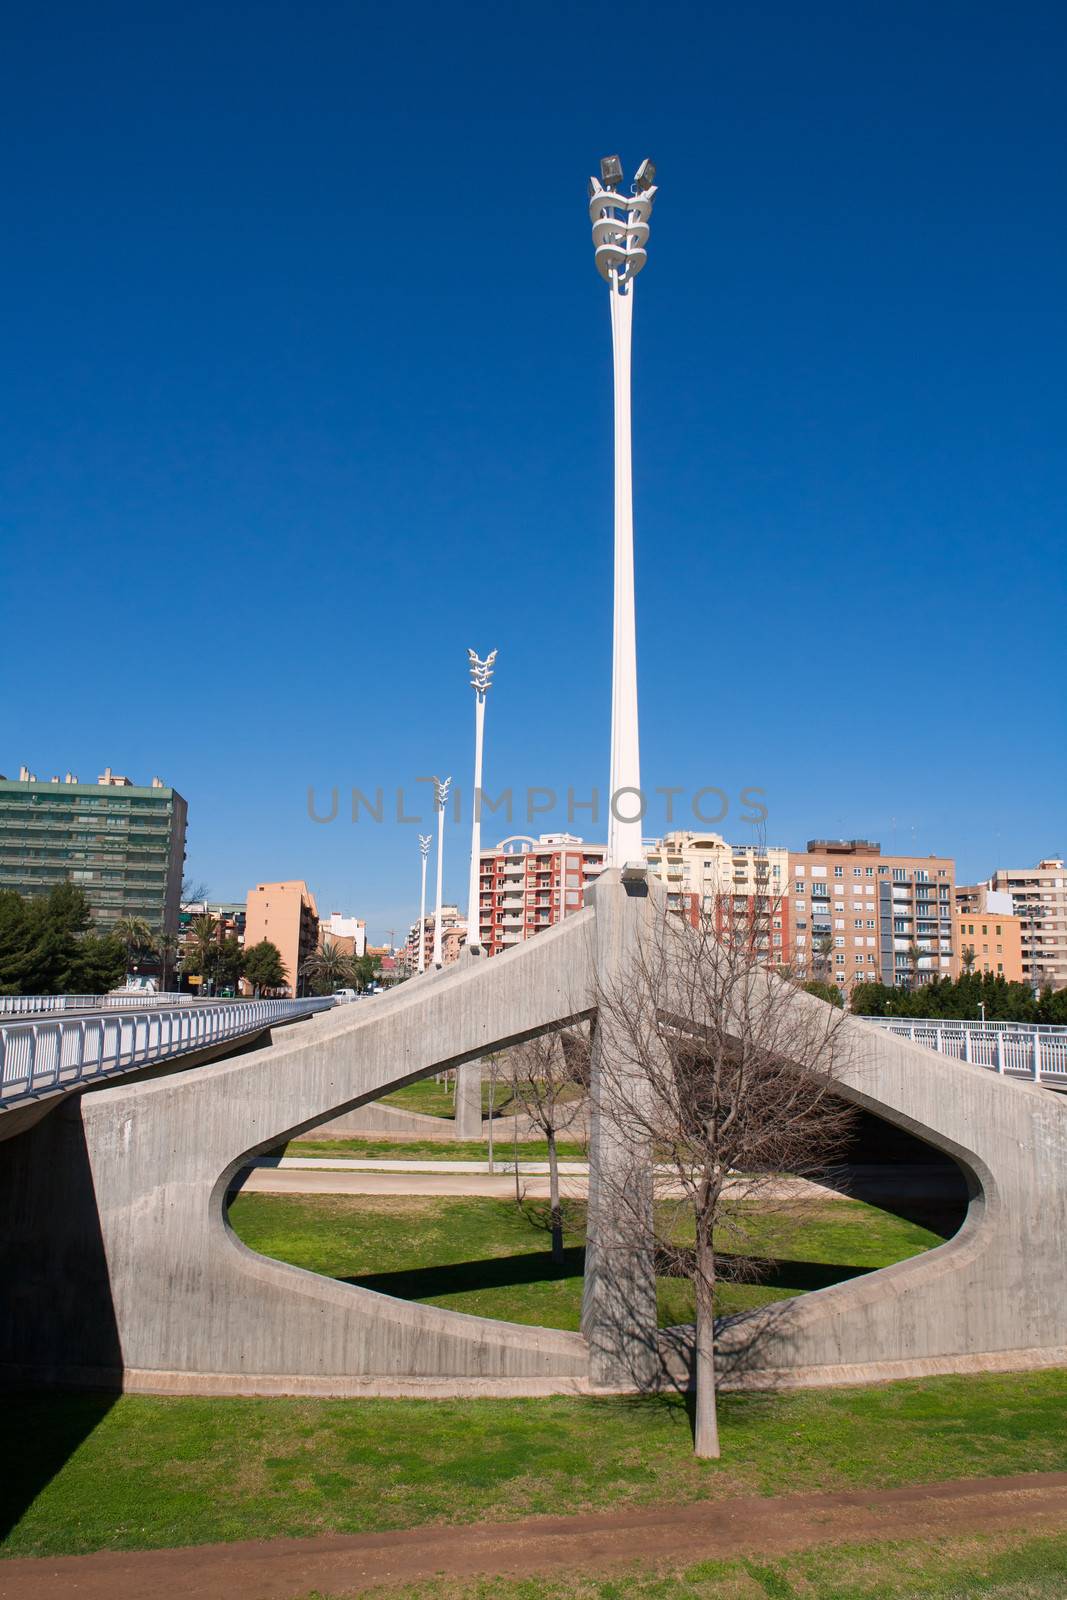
pixel 481 678
pixel 424 851
pixel 440 790
pixel 620 233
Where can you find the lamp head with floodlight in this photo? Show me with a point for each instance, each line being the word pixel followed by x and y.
pixel 620 222
pixel 441 787
pixel 425 841
pixel 481 671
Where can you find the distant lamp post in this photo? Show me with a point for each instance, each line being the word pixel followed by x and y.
pixel 481 678
pixel 620 233
pixel 425 840
pixel 440 791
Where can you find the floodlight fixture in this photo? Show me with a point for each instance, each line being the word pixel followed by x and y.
pixel 645 176
pixel 611 172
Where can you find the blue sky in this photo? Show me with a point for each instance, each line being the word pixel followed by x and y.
pixel 308 389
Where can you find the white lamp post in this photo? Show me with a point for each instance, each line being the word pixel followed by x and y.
pixel 481 678
pixel 440 790
pixel 424 851
pixel 620 233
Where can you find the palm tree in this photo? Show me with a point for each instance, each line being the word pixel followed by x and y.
pixel 135 935
pixel 915 955
pixel 329 968
pixel 166 947
pixel 967 955
pixel 203 942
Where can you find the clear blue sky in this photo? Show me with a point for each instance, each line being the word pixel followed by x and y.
pixel 308 388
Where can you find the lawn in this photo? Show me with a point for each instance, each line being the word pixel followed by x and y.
pixel 83 1472
pixel 353 1148
pixel 437 1099
pixel 492 1259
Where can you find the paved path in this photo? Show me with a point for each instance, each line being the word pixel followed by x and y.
pixel 433 1179
pixel 330 1179
pixel 283 1569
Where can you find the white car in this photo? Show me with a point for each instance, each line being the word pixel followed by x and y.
pixel 341 997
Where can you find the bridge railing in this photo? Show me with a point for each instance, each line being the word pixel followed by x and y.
pixel 21 1005
pixel 1016 1049
pixel 53 1053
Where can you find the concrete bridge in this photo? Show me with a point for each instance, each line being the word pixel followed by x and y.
pixel 121 1268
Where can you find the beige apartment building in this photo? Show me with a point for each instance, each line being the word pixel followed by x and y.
pixel 860 917
pixel 1039 900
pixel 706 876
pixel 286 914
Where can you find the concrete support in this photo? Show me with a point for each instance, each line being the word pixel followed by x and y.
pixel 469 1100
pixel 120 1266
pixel 619 1293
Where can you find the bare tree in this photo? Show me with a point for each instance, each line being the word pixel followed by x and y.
pixel 547 1079
pixel 720 1076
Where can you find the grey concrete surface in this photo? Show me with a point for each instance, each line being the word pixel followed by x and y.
pixel 120 1264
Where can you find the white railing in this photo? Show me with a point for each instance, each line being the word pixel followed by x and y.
pixel 22 1005
pixel 1016 1049
pixel 59 1052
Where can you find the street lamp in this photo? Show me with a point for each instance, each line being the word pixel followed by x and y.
pixel 440 791
pixel 620 233
pixel 424 850
pixel 481 678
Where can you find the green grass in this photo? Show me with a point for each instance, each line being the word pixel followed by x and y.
pixel 427 1149
pixel 489 1258
pixel 83 1473
pixel 436 1099
pixel 1015 1566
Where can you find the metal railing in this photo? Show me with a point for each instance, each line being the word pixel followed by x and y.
pixel 39 1057
pixel 22 1005
pixel 1015 1049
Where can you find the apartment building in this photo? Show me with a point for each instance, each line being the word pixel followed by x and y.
pixel 740 885
pixel 286 914
pixel 347 934
pixel 859 916
pixel 527 884
pixel 122 843
pixel 987 928
pixel 453 937
pixel 1039 898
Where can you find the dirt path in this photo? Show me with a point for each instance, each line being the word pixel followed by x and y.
pixel 282 1569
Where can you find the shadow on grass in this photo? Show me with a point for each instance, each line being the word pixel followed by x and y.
pixel 459 1277
pixel 537 1266
pixel 39 1432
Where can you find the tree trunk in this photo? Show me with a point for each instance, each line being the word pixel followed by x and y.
pixel 553 1198
pixel 515 1145
pixel 706 1422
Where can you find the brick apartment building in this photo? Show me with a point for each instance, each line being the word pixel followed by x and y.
pixel 859 916
pixel 526 885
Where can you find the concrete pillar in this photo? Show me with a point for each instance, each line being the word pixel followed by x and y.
pixel 468 1123
pixel 619 1316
